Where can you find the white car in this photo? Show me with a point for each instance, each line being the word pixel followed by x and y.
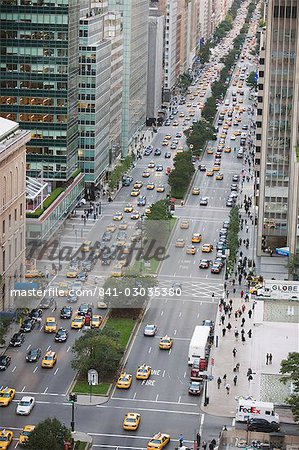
pixel 150 330
pixel 25 406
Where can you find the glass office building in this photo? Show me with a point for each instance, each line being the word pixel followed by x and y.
pixel 135 42
pixel 277 129
pixel 39 80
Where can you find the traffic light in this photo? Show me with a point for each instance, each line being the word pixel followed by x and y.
pixel 73 398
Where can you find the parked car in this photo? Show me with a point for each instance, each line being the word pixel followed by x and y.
pixel 17 339
pixel 263 425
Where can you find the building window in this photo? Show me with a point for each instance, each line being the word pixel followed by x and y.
pixel 21 210
pixel 16 214
pixel 261 73
pixel 3 227
pixel 21 241
pixel 259 112
pixel 288 12
pixel 9 254
pixel 3 261
pixel 9 221
pixel 16 247
pixel 262 61
pixel 258 137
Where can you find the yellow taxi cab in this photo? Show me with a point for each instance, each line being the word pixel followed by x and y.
pixel 207 248
pixel 222 136
pixel 191 97
pixel 254 289
pixel 195 191
pixel 234 83
pixel 167 137
pixel 151 165
pixel 196 238
pixel 209 172
pixel 210 151
pixel 124 381
pixel 138 185
pixel 189 105
pixel 237 133
pixel 50 325
pixel 77 323
pixel 225 126
pixel 135 215
pixel 150 186
pixel 6 396
pixel 143 372
pixel 126 250
pixel 117 271
pixel 135 192
pixel 165 343
pixel 25 433
pixel 123 225
pixel 192 113
pixel 175 123
pixel 184 225
pixel 63 289
pixel 227 150
pixel 165 143
pixel 191 250
pixel 145 174
pixel 72 273
pixel 49 360
pixel 216 167
pixel 86 246
pixel 182 114
pixel 131 421
pixel 111 227
pixel 219 176
pixel 180 243
pixel 96 321
pixel 240 100
pixel 158 441
pixel 128 208
pixel 6 438
pixel 118 216
pixel 160 188
pixel 147 210
pixel 34 274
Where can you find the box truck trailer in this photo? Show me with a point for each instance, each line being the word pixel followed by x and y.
pixel 251 409
pixel 199 344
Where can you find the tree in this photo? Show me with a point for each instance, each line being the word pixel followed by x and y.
pixel 251 79
pixel 180 177
pixel 159 211
pixel 49 434
pixel 97 350
pixel 290 371
pixel 204 53
pixel 232 237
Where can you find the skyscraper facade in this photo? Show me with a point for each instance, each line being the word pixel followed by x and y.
pixel 135 42
pixel 277 129
pixel 39 80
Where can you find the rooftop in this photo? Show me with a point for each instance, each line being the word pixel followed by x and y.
pixel 7 127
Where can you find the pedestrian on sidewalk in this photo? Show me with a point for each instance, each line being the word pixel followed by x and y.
pixel 227 294
pixel 198 439
pixel 229 326
pixel 223 332
pixel 267 358
pixel 246 297
pixel 219 382
pixel 181 440
pixel 224 377
pixel 222 318
pixel 250 377
pixel 234 352
pixel 253 306
pixel 233 281
pixel 225 285
pixel 236 334
pixel 243 339
pixel 243 322
pixel 230 302
pixel 243 308
pixel 270 358
pixel 249 313
pixel 235 380
pixel 227 387
pixel 237 367
pixel 242 293
pixel 204 445
pixel 249 334
pixel 236 314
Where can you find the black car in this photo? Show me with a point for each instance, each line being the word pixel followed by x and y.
pixel 157 152
pixel 107 236
pixel 159 168
pixel 61 335
pixel 263 425
pixel 33 355
pixel 141 200
pixel 167 155
pixel 202 168
pixel 66 312
pixel 47 302
pixel 82 276
pixel 106 259
pixel 17 339
pixel 36 314
pixel 28 325
pixel 83 309
pixel 4 362
pixel 87 265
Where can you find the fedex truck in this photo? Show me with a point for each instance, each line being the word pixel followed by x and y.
pixel 199 344
pixel 251 409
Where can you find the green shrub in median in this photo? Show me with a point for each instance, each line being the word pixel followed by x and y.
pixel 181 175
pixel 233 238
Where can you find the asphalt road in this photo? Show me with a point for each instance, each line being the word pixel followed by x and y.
pixel 163 400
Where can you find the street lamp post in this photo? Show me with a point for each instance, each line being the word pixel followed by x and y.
pixel 206 399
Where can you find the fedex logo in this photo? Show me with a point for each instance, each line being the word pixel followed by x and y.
pixel 250 410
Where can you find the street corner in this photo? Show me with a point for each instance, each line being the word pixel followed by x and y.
pixel 93 400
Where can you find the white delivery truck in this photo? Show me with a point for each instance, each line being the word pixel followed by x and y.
pixel 251 409
pixel 198 344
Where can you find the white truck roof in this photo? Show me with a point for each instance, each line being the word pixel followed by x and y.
pixel 243 402
pixel 200 336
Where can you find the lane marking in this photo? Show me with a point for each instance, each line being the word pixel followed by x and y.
pixel 48 348
pixel 35 369
pixel 174 333
pixel 150 349
pixel 201 423
pixel 162 312
pixel 124 436
pixel 157 396
pixel 68 349
pixel 153 401
pixel 28 347
pixel 14 369
pixel 163 374
pixel 45 391
pixel 180 397
pixel 23 389
pixel 56 371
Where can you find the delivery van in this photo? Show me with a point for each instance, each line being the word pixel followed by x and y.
pixel 251 409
